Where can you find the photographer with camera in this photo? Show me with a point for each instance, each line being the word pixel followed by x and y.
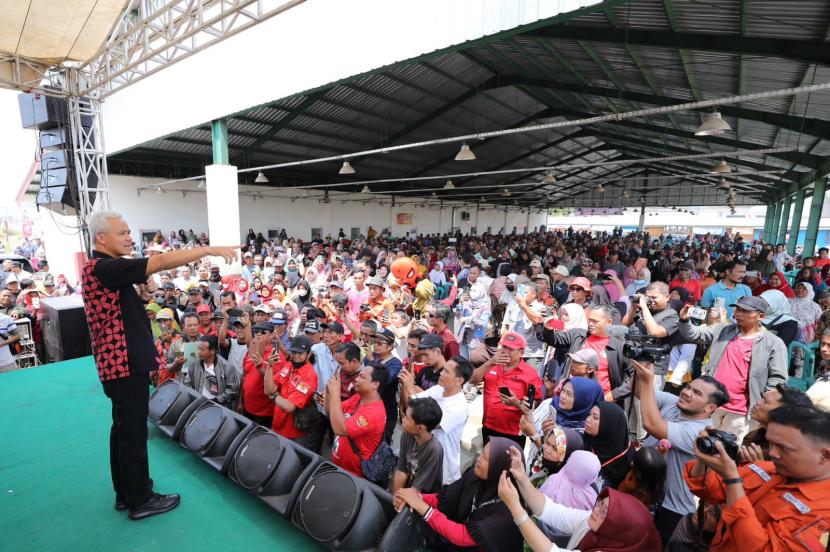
pixel 651 314
pixel 743 356
pixel 678 420
pixel 778 505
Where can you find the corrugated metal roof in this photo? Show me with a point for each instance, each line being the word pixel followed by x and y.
pixel 532 77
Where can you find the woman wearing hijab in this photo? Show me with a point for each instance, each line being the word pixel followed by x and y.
pixel 437 276
pixel 777 281
pixel 599 296
pixel 646 480
pixel 576 399
pixel 302 294
pixel 469 513
pixel 152 310
pixel 805 310
pixel 606 435
pixel 642 279
pixel 778 318
pixel 292 274
pixel 617 522
pixel 573 485
pixel 764 264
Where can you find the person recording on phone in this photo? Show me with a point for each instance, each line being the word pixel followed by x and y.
pixel 521 316
pixel 779 505
pixel 729 289
pixel 125 353
pixel 743 356
pixel 508 380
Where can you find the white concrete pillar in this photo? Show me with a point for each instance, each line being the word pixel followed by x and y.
pixel 223 205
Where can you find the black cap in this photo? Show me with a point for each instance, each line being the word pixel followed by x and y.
pixel 263 327
pixel 431 341
pixel 312 326
pixel 194 291
pixel 232 320
pixel 387 335
pixel 218 313
pixel 300 344
pixel 168 285
pixel 335 326
pixel 752 304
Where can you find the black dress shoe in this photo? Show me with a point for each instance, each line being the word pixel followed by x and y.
pixel 158 504
pixel 120 505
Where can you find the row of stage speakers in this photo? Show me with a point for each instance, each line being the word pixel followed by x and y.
pixel 338 510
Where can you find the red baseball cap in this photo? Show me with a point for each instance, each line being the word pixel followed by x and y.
pixel 202 308
pixel 512 340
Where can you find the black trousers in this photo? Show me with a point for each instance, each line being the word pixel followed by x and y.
pixel 129 465
pixel 486 433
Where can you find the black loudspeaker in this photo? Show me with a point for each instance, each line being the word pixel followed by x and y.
pixel 404 534
pixel 272 468
pixel 341 511
pixel 171 405
pixel 64 327
pixel 213 433
pixel 58 189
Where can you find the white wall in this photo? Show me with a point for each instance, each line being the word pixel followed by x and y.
pixel 313 44
pixel 149 210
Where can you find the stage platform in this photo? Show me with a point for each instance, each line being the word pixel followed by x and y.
pixel 56 487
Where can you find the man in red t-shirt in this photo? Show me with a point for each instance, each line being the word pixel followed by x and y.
pixel 254 403
pixel 292 385
pixel 358 422
pixel 507 382
pixel 684 280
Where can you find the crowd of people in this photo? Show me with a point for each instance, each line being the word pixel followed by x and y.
pixel 634 390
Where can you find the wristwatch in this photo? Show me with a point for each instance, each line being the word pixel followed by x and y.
pixel 733 481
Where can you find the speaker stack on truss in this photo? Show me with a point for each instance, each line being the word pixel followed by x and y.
pixel 51 117
pixel 338 510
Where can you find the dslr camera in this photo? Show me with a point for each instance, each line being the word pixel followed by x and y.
pixel 644 347
pixel 365 307
pixel 706 445
pixel 635 300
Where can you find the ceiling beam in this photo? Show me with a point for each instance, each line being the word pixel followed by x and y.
pixel 811 51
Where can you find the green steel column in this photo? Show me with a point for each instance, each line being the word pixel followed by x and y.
pixel 815 216
pixel 776 220
pixel 219 133
pixel 785 218
pixel 795 227
pixel 767 222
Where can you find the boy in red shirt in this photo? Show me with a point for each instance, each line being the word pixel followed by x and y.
pixel 361 419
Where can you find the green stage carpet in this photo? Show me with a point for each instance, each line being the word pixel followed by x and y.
pixel 56 488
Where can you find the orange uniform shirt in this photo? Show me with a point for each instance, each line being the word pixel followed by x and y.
pixel 774 516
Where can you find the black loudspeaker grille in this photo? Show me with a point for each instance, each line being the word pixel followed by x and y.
pixel 203 428
pixel 257 460
pixel 328 504
pixel 170 406
pixel 64 327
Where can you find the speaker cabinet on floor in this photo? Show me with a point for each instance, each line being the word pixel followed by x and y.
pixel 404 534
pixel 341 511
pixel 64 327
pixel 272 468
pixel 171 405
pixel 214 432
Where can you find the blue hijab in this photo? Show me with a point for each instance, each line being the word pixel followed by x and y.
pixel 587 393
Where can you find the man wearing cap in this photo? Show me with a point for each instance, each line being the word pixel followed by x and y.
pixel 543 294
pixel 262 313
pixel 281 334
pixel 233 337
pixel 249 269
pixel 684 280
pixel 559 283
pixel 381 350
pixel 291 384
pixel 312 331
pixel 535 268
pixel 379 306
pixel 169 341
pixel 506 371
pixel 206 325
pixel 211 375
pixel 431 347
pixel 254 403
pixel 348 359
pixel 584 364
pixel 325 366
pixel 743 356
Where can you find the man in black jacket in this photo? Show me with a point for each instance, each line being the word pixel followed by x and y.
pixel 613 368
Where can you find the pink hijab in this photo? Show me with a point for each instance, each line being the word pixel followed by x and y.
pixel 611 287
pixel 573 486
